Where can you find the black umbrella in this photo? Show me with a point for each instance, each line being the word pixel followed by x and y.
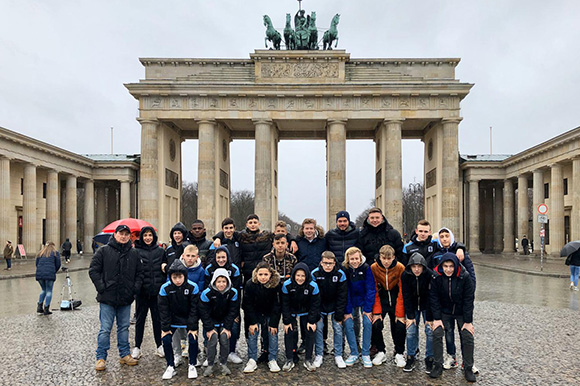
pixel 570 248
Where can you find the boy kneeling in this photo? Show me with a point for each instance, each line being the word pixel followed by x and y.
pixel 451 299
pixel 219 305
pixel 178 302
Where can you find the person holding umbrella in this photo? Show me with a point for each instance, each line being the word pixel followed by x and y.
pixel 572 251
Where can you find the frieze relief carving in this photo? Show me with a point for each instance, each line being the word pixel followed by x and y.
pixel 175 103
pixel 299 70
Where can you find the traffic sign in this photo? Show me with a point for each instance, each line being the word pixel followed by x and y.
pixel 543 219
pixel 542 209
pixel 542 233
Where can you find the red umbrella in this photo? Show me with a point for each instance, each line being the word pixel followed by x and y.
pixel 134 224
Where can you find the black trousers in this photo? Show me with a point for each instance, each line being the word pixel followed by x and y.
pixel 291 340
pixel 398 333
pixel 142 305
pixel 467 343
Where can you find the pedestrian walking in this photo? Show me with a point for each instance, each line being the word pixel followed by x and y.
pixel 47 265
pixel 66 248
pixel 574 260
pixel 8 253
pixel 526 245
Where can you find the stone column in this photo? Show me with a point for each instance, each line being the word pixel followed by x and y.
pixel 335 170
pixel 498 219
pixel 149 198
pixel 112 213
pixel 523 218
pixel 265 166
pixel 29 223
pixel 206 171
pixel 394 174
pixel 89 226
pixel 474 216
pixel 556 210
pixel 575 214
pixel 450 174
pixel 537 199
pixel 125 199
pixel 488 213
pixel 70 225
pixel 52 209
pixel 5 201
pixel 508 216
pixel 101 210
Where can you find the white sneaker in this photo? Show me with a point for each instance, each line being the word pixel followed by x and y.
pixel 474 369
pixel 273 366
pixel 340 362
pixel 366 360
pixel 160 352
pixel 191 372
pixel 317 361
pixel 400 360
pixel 169 372
pixel 177 360
pixel 351 360
pixel 288 366
pixel 449 362
pixel 136 354
pixel 234 358
pixel 379 359
pixel 309 366
pixel 251 366
pixel 576 288
pixel 205 363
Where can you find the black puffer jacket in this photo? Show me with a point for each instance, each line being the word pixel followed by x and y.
pixel 338 241
pixel 255 245
pixel 300 300
pixel 416 288
pixel 202 245
pixel 575 258
pixel 117 273
pixel 333 291
pixel 178 305
pixel 426 248
pixel 453 294
pixel 174 251
pixel 262 300
pixel 219 309
pixel 151 257
pixel 373 238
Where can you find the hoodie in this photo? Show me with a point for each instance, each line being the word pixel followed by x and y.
pixel 452 295
pixel 415 289
pixel 178 305
pixel 453 247
pixel 219 308
pixel 361 287
pixel 300 299
pixel 373 238
pixel 195 273
pixel 151 258
pixel 387 280
pixel 233 269
pixel 262 300
pixel 333 291
pixel 310 251
pixel 174 251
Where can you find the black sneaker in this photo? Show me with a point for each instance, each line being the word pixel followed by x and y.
pixel 302 348
pixel 469 376
pixel 410 365
pixel 263 358
pixel 436 371
pixel 428 364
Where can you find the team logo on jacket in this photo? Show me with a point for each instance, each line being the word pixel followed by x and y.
pixel 237 244
pixel 186 291
pixel 335 279
pixel 305 292
pixel 430 248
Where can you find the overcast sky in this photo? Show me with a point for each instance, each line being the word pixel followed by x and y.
pixel 63 65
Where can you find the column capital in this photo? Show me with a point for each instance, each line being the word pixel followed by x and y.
pixel 555 165
pixel 152 121
pixel 474 180
pixel 5 157
pixel 538 170
pixel 393 121
pixel 262 121
pixel 207 122
pixel 452 120
pixel 337 121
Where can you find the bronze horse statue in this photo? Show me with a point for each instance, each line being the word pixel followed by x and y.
pixel 289 36
pixel 271 34
pixel 332 33
pixel 313 40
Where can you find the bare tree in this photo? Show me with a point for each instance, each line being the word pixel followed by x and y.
pixel 294 226
pixel 413 207
pixel 360 219
pixel 241 205
pixel 188 203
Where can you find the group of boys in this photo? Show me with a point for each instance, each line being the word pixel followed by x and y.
pixel 258 271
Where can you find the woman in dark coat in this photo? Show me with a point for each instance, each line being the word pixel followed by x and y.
pixel 47 265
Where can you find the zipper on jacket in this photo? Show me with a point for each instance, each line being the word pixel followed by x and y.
pixel 418 295
pixel 451 298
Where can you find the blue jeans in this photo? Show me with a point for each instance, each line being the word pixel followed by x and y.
pixel 107 315
pixel 336 328
pixel 413 336
pixel 351 337
pixel 8 263
pixel 574 271
pixel 168 348
pixel 46 293
pixel 253 342
pixel 235 335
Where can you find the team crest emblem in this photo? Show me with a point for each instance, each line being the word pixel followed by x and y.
pixel 430 248
pixel 186 292
pixel 305 292
pixel 335 279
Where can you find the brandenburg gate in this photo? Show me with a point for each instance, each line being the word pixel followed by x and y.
pixel 310 94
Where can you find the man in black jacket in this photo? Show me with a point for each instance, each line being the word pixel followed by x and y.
pixel 197 237
pixel 344 236
pixel 451 299
pixel 117 274
pixel 376 232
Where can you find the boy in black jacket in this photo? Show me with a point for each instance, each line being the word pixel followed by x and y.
pixel 219 305
pixel 262 314
pixel 451 299
pixel 331 282
pixel 178 303
pixel 415 285
pixel 300 300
